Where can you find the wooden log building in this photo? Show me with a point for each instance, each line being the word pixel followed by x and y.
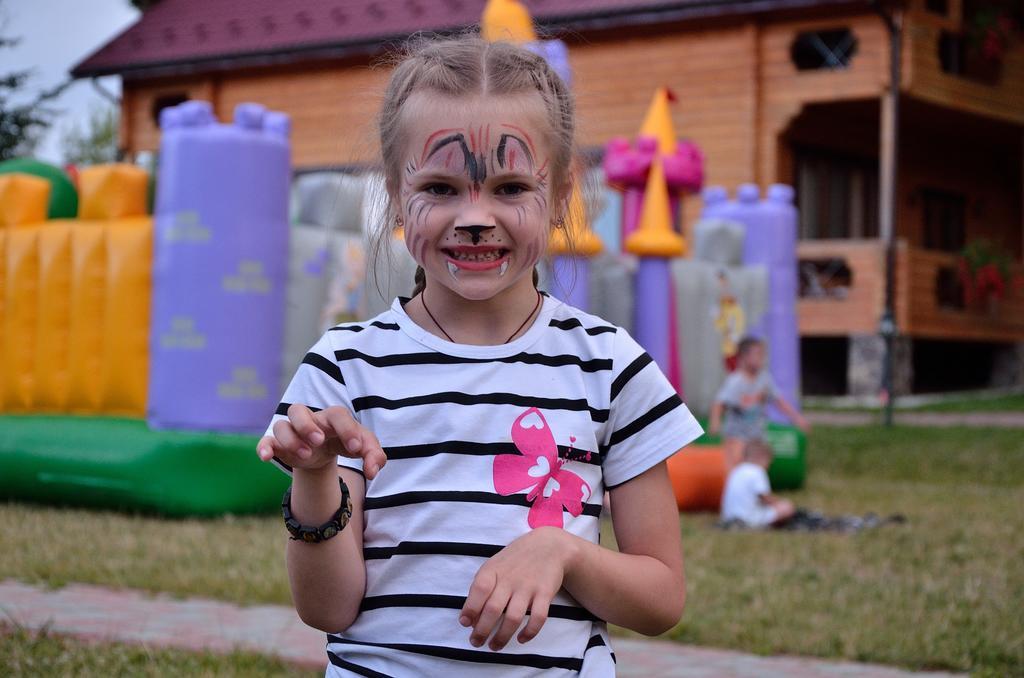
pixel 772 90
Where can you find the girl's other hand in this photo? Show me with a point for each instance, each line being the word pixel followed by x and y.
pixel 520 580
pixel 313 440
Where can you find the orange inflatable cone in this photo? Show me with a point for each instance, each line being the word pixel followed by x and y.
pixel 585 243
pixel 658 121
pixel 507 20
pixel 655 237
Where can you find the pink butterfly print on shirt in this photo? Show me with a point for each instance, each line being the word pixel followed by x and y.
pixel 539 469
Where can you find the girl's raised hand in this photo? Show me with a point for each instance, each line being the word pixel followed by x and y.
pixel 313 440
pixel 519 580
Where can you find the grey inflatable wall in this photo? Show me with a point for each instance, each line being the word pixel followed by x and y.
pixel 326 261
pixel 390 270
pixel 698 294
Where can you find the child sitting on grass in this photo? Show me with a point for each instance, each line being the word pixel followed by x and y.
pixel 748 496
pixel 743 398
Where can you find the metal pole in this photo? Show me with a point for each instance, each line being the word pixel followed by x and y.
pixel 888 197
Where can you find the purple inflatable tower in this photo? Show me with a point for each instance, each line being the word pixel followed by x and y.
pixel 219 270
pixel 770 241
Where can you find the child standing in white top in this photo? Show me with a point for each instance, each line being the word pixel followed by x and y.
pixel 477 425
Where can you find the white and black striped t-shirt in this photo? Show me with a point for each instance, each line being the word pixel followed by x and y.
pixel 484 442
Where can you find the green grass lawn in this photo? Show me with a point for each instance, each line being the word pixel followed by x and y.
pixel 29 655
pixel 232 558
pixel 1007 403
pixel 942 591
pixel 956 405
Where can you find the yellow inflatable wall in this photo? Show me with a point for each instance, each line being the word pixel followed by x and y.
pixel 21 305
pixel 23 200
pixel 3 303
pixel 74 296
pixel 125 358
pixel 88 300
pixel 50 382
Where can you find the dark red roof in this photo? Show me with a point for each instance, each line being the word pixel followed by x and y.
pixel 178 36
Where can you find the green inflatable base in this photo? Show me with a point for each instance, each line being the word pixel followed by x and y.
pixel 789 467
pixel 122 464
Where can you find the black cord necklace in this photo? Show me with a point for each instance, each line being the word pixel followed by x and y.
pixel 423 300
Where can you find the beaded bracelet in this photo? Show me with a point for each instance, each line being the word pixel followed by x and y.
pixel 314 534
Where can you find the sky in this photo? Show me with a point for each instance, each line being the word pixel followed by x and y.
pixel 55 35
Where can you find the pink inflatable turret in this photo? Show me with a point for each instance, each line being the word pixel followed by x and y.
pixel 626 167
pixel 684 169
pixel 653 175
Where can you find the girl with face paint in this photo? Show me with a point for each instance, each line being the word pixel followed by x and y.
pixel 502 414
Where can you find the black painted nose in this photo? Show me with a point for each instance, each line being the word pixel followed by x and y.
pixel 475 231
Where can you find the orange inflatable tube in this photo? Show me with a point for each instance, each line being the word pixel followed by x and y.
pixel 698 477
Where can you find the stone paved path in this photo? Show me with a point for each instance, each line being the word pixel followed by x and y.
pixel 98 613
pixel 930 419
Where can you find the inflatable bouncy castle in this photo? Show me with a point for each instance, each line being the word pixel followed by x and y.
pixel 691 303
pixel 141 353
pixel 141 356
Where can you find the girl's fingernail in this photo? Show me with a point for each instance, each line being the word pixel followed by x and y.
pixel 354 445
pixel 464 620
pixel 316 437
pixel 494 647
pixel 305 452
pixel 476 642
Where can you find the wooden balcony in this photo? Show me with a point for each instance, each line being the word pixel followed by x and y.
pixel 843 292
pixel 842 287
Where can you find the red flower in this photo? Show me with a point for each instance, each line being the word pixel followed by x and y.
pixel 988 282
pixel 983 270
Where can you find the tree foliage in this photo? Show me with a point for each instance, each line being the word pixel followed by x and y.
pixel 97 142
pixel 21 124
